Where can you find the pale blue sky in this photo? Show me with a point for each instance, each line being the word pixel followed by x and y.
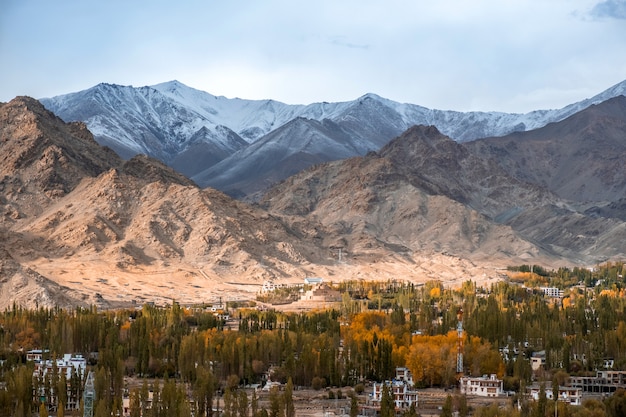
pixel 505 55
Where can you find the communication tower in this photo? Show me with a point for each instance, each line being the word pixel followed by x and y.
pixel 459 351
pixel 89 396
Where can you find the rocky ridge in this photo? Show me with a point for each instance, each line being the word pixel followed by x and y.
pixel 482 212
pixel 81 226
pixel 226 143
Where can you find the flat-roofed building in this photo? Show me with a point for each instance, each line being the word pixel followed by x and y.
pixel 483 386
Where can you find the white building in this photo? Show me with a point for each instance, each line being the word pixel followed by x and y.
pixel 66 365
pixel 570 395
pixel 36 355
pixel 483 386
pixel 552 292
pixel 313 281
pixel 537 360
pixel 405 375
pixel 401 387
pixel 269 286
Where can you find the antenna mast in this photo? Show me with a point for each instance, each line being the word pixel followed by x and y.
pixel 459 352
pixel 89 396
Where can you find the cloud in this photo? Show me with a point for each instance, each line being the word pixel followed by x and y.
pixel 341 41
pixel 610 8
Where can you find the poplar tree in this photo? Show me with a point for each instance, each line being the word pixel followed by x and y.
pixel 446 410
pixel 387 406
pixel 542 401
pixel 254 404
pixel 276 405
pixel 242 404
pixel 354 405
pixel 290 410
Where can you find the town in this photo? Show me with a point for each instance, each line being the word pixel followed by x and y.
pixel 535 343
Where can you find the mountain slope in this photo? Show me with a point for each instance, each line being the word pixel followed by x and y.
pixel 285 151
pixel 98 230
pixel 192 131
pixel 580 158
pixel 42 158
pixel 145 121
pixel 425 191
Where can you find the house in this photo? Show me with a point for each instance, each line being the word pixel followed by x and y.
pixel 484 386
pixel 36 355
pixel 69 366
pixel 405 375
pixel 603 382
pixel 401 387
pixel 403 395
pixel 269 286
pixel 322 293
pixel 570 395
pixel 552 292
pixel 537 360
pixel 314 281
pixel 66 365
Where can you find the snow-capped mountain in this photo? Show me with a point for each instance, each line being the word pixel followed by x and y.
pixel 192 130
pixel 281 153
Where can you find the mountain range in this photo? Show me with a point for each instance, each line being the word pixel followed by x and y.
pixel 83 225
pixel 424 191
pixel 244 146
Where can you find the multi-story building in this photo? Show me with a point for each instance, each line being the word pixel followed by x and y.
pixel 401 388
pixel 570 395
pixel 66 365
pixel 552 292
pixel 404 374
pixel 484 386
pixel 603 382
pixel 70 366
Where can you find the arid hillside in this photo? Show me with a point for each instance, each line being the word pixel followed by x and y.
pixel 423 191
pixel 80 226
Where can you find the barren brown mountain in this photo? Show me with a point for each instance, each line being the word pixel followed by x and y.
pixel 580 158
pixel 80 226
pixel 424 191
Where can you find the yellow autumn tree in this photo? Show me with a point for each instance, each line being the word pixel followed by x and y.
pixel 432 359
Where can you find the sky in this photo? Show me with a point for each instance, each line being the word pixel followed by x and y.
pixel 482 55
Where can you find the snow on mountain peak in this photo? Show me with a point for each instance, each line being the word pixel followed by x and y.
pixel 169 119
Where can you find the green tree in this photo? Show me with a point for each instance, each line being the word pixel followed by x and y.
pixel 616 403
pixel 290 410
pixel 446 409
pixel 410 412
pixel 462 406
pixel 254 404
pixel 387 406
pixel 242 404
pixel 144 398
pixel 354 405
pixel 276 405
pixel 555 392
pixel 135 403
pixel 542 402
